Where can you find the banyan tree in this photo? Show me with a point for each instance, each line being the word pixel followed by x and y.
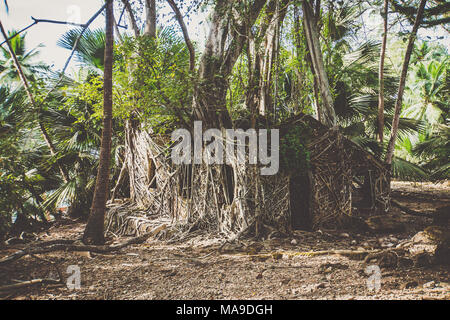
pixel 318 191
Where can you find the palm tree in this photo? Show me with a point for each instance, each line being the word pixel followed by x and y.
pixel 24 172
pixel 356 106
pixel 93 233
pixel 30 68
pixel 78 142
pixel 435 150
pixel 27 88
pixel 401 86
pixel 433 147
pixel 90 50
pixel 430 85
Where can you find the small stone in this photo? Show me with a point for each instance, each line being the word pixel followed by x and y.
pixel 321 285
pixel 422 260
pixel 353 241
pixel 132 254
pixel 405 262
pixel 126 265
pixel 277 256
pixel 429 285
pixel 409 284
pixel 309 288
pixel 86 254
pixel 344 235
pixel 294 242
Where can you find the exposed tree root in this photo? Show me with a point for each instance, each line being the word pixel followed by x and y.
pixel 28 283
pixel 49 247
pixel 410 211
pixel 351 254
pixel 49 243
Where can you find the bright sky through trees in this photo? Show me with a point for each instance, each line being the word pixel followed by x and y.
pixel 21 11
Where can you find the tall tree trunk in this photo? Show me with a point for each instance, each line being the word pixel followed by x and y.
pixel 401 86
pixel 93 234
pixel 131 17
pixel 183 27
pixel 381 74
pixel 150 23
pixel 132 125
pixel 312 37
pixel 298 44
pixel 24 80
pixel 261 56
pixel 210 95
pixel 275 17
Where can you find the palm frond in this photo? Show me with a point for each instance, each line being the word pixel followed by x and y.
pixel 441 172
pixel 368 144
pixel 90 48
pixel 367 54
pixel 405 125
pixel 405 170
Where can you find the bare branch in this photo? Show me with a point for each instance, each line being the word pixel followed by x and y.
pixel 18 32
pixel 58 22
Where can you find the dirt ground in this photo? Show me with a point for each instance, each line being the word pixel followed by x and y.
pixel 270 269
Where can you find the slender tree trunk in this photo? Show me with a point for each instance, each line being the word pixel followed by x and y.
pixel 312 37
pixel 116 29
pixel 262 56
pixel 381 74
pixel 183 27
pixel 93 234
pixel 150 24
pixel 131 17
pixel 24 80
pixel 298 43
pixel 401 86
pixel 132 125
pixel 268 55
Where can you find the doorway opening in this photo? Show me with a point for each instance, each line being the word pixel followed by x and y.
pixel 300 202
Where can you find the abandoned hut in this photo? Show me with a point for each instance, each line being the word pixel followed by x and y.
pixel 231 199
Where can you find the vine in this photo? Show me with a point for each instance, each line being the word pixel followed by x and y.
pixel 294 155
